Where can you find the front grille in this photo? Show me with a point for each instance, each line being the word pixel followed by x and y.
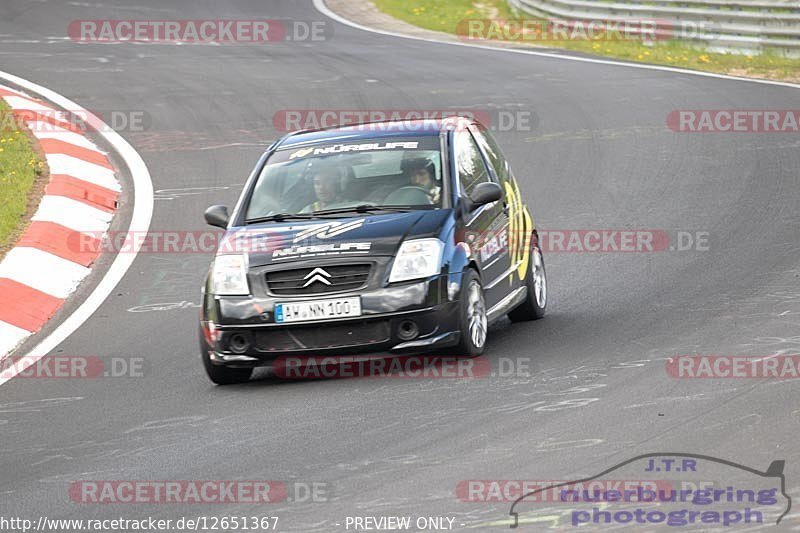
pixel 318 280
pixel 321 336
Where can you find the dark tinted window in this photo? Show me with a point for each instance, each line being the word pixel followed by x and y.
pixel 470 165
pixel 492 150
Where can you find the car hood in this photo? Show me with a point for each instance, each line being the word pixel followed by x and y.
pixel 373 235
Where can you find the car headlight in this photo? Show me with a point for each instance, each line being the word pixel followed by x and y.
pixel 229 275
pixel 418 258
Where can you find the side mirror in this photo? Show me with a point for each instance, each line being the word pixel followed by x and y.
pixel 485 193
pixel 217 215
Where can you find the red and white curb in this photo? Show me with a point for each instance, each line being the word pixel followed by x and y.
pixel 46 265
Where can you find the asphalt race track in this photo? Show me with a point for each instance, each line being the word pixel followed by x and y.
pixel 595 391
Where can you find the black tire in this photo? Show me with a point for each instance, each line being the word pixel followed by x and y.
pixel 222 375
pixel 467 345
pixel 531 308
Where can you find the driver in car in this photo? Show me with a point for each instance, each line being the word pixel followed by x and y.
pixel 328 188
pixel 420 172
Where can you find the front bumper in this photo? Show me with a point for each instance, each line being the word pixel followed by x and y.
pixel 244 333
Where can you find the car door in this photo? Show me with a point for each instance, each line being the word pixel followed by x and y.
pixel 486 227
pixel 520 223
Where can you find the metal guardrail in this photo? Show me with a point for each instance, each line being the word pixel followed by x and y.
pixel 720 25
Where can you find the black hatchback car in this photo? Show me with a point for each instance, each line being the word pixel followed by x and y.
pixel 393 237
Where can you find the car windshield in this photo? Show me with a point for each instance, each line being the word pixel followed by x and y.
pixel 364 175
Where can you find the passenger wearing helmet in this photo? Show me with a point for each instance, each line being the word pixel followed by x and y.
pixel 421 173
pixel 328 188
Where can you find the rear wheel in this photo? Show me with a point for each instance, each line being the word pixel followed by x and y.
pixel 534 306
pixel 473 319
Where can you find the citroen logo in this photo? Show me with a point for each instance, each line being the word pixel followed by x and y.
pixel 318 274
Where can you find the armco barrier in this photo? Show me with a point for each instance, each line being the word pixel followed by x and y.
pixel 746 26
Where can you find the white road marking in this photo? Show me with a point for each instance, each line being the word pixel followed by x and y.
pixel 140 223
pixel 72 214
pixel 42 271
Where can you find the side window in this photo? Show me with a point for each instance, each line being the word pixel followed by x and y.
pixel 492 150
pixel 469 163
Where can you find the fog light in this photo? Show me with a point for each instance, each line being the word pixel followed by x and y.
pixel 407 330
pixel 238 343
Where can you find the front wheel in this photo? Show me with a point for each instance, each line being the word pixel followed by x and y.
pixel 473 320
pixel 222 375
pixel 534 306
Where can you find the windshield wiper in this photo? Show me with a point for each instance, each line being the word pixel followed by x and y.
pixel 365 208
pixel 280 217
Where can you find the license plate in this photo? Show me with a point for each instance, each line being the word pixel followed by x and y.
pixel 318 309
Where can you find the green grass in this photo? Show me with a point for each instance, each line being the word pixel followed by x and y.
pixel 445 15
pixel 19 168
